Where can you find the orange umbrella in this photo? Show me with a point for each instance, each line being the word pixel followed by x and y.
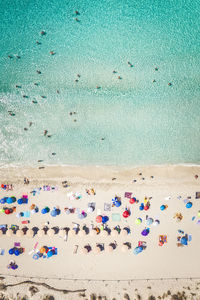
pixel 99 219
pixel 42 250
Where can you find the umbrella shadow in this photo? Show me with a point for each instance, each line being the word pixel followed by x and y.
pixel 88 247
pixel 101 246
pixel 35 230
pixel 86 229
pixel 113 245
pixel 128 244
pixel 56 229
pixel 107 229
pixel 127 229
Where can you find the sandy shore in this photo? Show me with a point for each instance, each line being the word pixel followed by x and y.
pixel 108 274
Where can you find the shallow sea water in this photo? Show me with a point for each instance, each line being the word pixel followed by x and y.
pixel 141 121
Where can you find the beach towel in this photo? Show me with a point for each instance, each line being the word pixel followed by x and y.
pixel 116 217
pixel 107 207
pixel 16 244
pixel 26 214
pixel 127 195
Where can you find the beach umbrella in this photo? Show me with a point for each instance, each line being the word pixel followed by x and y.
pixel 42 250
pixel 19 233
pixel 125 248
pixel 30 233
pixel 20 201
pixel 82 232
pixel 2 210
pixel 99 219
pixel 67 211
pixel 53 213
pixel 132 200
pixel 93 232
pixel 146 207
pixel 184 241
pixel 162 207
pixel 90 209
pixel 7 211
pixel 137 250
pixel 62 233
pixel 141 207
pixel 81 216
pixel 84 250
pixel 149 221
pixel 9 232
pixel 40 233
pixel 114 233
pixel 105 233
pixel 3 200
pixel 105 219
pixel 156 223
pixel 117 203
pixel 50 233
pixel 9 200
pixel 50 253
pixel 138 221
pixel 188 205
pixel 11 251
pixel 126 214
pixel 109 248
pixel 97 249
pixel 145 232
pixel 13 198
pixel 72 232
pixel 17 252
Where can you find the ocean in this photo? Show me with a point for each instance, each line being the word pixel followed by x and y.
pixel 121 87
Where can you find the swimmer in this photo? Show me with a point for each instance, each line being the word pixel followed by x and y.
pixel 25 96
pixel 57 91
pixel 130 64
pixel 71 113
pixel 43 32
pixel 154 80
pixel 76 80
pixel 119 77
pixel 25 129
pixel 10 56
pixel 38 43
pixel 103 139
pixel 18 86
pixel 36 84
pixel 30 124
pixel 169 84
pixel 40 160
pixel 34 101
pixel 98 87
pixel 45 132
pixel 39 72
pixel 48 136
pixel 77 13
pixel 75 120
pixel 114 72
pixel 52 52
pixel 53 153
pixel 17 56
pixel 78 75
pixel 156 69
pixel 43 97
pixel 77 20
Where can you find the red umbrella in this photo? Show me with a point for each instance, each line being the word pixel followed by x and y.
pixel 126 214
pixel 99 219
pixel 146 207
pixel 7 211
pixel 132 200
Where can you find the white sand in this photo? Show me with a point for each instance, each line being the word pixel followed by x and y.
pixel 155 262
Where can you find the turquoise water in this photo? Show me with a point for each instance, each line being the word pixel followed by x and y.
pixel 141 121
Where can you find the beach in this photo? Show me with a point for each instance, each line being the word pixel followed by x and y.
pixel 167 185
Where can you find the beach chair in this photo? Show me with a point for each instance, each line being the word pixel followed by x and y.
pixel 75 249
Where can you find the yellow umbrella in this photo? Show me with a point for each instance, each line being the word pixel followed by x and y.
pixel 62 233
pixel 30 233
pixel 50 233
pixel 114 233
pixel 109 248
pixel 40 233
pixel 124 248
pixel 19 233
pixel 9 233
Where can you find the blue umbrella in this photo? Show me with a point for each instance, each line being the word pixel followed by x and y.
pixel 11 251
pixel 184 241
pixel 105 219
pixel 14 198
pixel 20 201
pixel 53 213
pixel 117 203
pixel 9 200
pixel 188 205
pixel 145 232
pixel 43 211
pixel 162 207
pixel 3 200
pixel 57 211
pixel 50 253
pixel 17 252
pixel 141 206
pixel 137 250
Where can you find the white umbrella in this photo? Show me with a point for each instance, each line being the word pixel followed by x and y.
pixel 62 233
pixel 19 233
pixel 124 248
pixel 40 233
pixel 90 209
pixel 114 233
pixel 156 222
pixel 30 233
pixel 50 232
pixel 104 233
pixel 9 233
pixel 109 248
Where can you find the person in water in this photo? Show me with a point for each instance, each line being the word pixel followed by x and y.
pixel 45 132
pixel 39 72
